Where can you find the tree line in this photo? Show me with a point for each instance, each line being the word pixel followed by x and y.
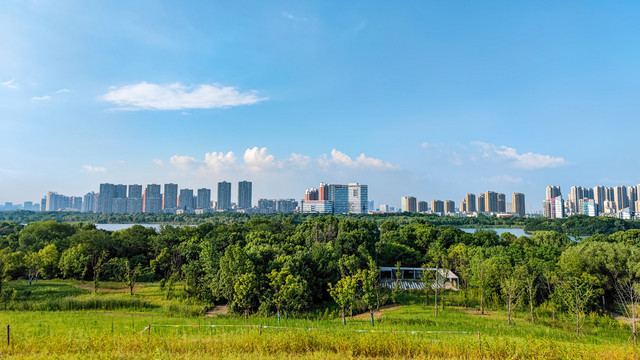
pixel 574 225
pixel 274 266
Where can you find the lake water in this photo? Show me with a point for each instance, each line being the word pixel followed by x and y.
pixel 499 231
pixel 116 227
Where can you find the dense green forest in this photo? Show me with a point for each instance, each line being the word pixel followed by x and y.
pixel 574 225
pixel 267 265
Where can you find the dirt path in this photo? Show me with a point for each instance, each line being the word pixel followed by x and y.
pixel 470 311
pixel 218 310
pixel 377 314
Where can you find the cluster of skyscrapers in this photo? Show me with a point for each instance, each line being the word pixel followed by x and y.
pixel 132 199
pixel 337 199
pixel 617 201
pixel 489 202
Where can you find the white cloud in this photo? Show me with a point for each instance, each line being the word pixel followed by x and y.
pixel 63 91
pixel 257 159
pixel 94 169
pixel 298 161
pixel 182 161
pixel 293 17
pixel 145 96
pixel 502 179
pixel 341 159
pixel 216 161
pixel 527 161
pixel 10 84
pixel 41 98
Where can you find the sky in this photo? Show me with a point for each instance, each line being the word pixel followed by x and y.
pixel 432 99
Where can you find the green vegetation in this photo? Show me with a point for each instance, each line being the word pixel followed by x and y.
pixel 117 333
pixel 543 292
pixel 572 226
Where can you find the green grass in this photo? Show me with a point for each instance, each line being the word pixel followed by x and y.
pixel 114 333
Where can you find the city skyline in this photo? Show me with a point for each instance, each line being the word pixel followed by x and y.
pixel 458 99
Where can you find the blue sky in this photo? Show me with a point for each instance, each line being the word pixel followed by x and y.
pixel 426 98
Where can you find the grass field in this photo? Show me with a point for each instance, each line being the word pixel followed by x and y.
pixel 111 323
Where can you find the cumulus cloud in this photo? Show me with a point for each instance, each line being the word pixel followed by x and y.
pixel 94 169
pixel 257 159
pixel 527 161
pixel 12 84
pixel 41 98
pixel 298 160
pixel 182 161
pixel 146 96
pixel 216 161
pixel 341 159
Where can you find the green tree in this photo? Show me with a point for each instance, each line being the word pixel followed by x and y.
pixel 368 279
pixel 245 289
pixel 395 292
pixel 344 293
pixel 73 261
pixel 512 288
pixel 48 261
pixel 33 262
pixel 576 293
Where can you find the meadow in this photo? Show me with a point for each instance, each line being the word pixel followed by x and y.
pixel 64 319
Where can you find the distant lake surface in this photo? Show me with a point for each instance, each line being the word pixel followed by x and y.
pixel 116 227
pixel 515 231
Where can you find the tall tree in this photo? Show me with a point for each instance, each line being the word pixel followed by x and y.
pixel 344 293
pixel 245 290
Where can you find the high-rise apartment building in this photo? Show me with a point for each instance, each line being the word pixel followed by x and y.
pixel 204 199
pixel 518 204
pixel 557 208
pixel 599 196
pixel 105 199
pixel 633 197
pixel 437 206
pixel 323 192
pixel 408 204
pixel 170 197
pixel 134 199
pixel 490 202
pixel 470 201
pixel 620 197
pixel 502 203
pixel 152 199
pixel 224 196
pixel 481 203
pixel 423 206
pixel 575 196
pixel 185 200
pixel 358 198
pixel 553 191
pixel 339 196
pixel 244 195
pixel 449 207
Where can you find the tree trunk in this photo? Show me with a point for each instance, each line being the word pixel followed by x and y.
pixel 436 297
pixel 531 305
pixel 482 301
